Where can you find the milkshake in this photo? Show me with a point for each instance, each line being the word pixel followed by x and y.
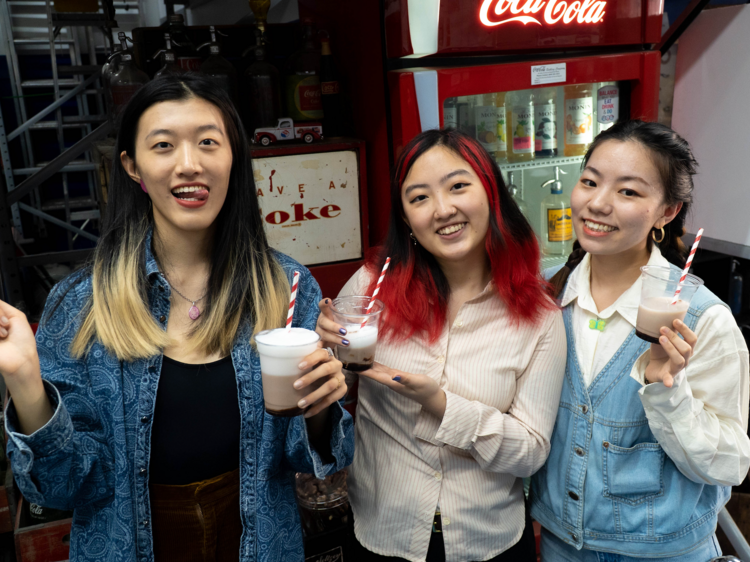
pixel 655 312
pixel 280 352
pixel 361 327
pixel 359 355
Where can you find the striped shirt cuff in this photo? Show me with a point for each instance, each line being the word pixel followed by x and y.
pixel 460 425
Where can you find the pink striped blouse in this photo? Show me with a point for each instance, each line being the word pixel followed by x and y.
pixel 502 383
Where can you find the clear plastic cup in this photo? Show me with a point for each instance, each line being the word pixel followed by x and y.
pixel 656 308
pixel 359 355
pixel 281 351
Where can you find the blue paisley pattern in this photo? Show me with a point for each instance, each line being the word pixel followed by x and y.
pixel 92 457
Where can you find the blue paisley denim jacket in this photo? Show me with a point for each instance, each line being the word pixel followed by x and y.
pixel 92 457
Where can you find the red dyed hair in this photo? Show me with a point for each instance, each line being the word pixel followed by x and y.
pixel 415 290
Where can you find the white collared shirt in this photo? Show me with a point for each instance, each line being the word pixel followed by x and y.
pixel 701 421
pixel 502 383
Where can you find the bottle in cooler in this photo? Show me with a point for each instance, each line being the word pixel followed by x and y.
pixel 545 120
pixel 465 112
pixel 485 122
pixel 184 48
pixel 502 132
pixel 607 105
pixel 450 113
pixel 557 219
pixel 515 194
pixel 219 68
pixel 579 117
pixel 519 117
pixel 303 94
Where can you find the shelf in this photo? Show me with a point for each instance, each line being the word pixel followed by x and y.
pixel 540 163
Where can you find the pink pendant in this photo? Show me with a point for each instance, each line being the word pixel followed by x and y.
pixel 194 312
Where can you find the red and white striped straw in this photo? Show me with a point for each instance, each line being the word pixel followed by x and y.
pixel 376 291
pixel 292 300
pixel 687 266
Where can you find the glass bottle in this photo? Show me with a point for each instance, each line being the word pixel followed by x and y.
pixel 545 120
pixel 168 59
pixel 579 115
pixel 303 95
pixel 260 83
pixel 125 82
pixel 514 193
pixel 519 119
pixel 330 89
pixel 502 132
pixel 485 121
pixel 185 51
pixel 450 113
pixel 557 219
pixel 219 68
pixel 607 105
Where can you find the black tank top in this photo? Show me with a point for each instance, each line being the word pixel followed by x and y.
pixel 196 431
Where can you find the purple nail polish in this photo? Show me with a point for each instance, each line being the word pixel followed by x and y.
pixel 345 342
pixel 397 378
pixel 342 331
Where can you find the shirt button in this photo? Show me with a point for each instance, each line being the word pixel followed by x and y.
pixel 145 523
pixel 573 496
pixel 574 537
pixel 441 359
pixel 458 323
pixel 446 521
pixel 144 419
pixel 584 408
pixel 162 318
pixel 579 451
pixel 438 476
pixel 143 471
pixel 606 444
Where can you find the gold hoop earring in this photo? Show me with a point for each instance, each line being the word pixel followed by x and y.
pixel 411 235
pixel 653 236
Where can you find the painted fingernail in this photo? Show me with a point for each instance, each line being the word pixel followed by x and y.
pixel 345 342
pixel 302 403
pixel 342 331
pixel 298 384
pixel 397 378
pixel 327 301
pixel 302 365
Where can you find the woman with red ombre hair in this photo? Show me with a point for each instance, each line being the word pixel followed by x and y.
pixel 462 399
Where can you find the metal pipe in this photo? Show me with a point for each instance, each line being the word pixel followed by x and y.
pixel 58 222
pixel 39 116
pixel 735 536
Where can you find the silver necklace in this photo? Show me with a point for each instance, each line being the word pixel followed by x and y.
pixel 194 311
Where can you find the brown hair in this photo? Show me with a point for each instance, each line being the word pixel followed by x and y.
pixel 676 165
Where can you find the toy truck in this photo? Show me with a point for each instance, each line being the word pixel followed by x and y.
pixel 285 129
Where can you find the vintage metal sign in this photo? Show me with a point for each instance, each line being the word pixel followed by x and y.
pixel 310 205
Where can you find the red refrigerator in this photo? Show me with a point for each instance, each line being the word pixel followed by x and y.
pixel 533 80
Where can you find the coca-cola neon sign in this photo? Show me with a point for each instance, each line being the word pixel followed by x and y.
pixel 496 12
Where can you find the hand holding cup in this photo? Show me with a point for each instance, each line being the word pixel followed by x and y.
pixel 671 354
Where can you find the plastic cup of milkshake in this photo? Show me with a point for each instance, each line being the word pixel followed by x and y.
pixel 657 292
pixel 351 313
pixel 281 351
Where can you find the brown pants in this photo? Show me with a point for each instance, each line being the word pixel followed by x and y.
pixel 199 522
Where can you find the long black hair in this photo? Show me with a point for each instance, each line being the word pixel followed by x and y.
pixel 676 166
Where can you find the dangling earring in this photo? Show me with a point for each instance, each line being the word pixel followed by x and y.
pixel 143 187
pixel 653 235
pixel 411 235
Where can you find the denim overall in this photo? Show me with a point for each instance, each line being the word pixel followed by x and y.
pixel 607 484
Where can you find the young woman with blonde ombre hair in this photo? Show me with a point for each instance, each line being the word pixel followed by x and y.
pixel 140 405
